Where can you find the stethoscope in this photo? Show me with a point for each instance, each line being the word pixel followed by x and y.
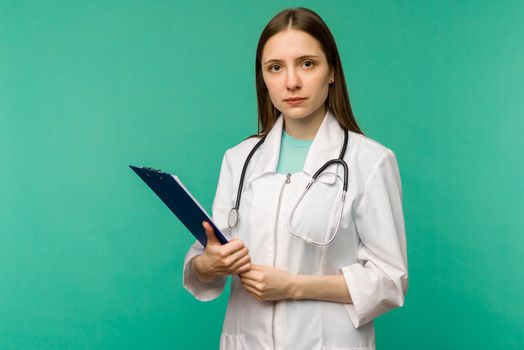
pixel 234 215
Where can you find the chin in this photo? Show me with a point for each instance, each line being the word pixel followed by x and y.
pixel 296 113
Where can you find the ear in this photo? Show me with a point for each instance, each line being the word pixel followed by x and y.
pixel 331 73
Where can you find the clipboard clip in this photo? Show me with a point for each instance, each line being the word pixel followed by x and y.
pixel 149 169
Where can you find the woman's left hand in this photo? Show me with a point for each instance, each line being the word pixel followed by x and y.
pixel 267 283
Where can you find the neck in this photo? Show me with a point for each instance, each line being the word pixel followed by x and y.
pixel 305 128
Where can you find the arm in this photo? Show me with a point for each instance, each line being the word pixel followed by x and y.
pixel 328 288
pixel 269 283
pixel 378 281
pixel 203 276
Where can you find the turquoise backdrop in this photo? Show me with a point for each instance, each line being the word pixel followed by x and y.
pixel 91 259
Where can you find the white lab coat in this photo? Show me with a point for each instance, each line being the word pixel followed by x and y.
pixel 369 249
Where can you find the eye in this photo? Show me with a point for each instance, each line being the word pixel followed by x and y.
pixel 274 68
pixel 308 64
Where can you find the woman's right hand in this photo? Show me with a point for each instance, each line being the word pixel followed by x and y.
pixel 220 259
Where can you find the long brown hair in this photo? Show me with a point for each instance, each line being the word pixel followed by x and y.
pixel 303 19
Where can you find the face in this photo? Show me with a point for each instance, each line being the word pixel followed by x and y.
pixel 295 66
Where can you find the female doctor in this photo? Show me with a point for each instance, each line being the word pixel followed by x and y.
pixel 312 208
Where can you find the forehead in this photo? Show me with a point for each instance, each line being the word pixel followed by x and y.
pixel 291 43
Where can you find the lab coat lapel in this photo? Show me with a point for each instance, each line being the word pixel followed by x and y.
pixel 269 151
pixel 326 145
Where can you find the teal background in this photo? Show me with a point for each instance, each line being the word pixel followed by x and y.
pixel 91 259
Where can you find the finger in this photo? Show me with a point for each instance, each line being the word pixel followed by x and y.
pixel 247 273
pixel 255 293
pixel 245 260
pixel 243 264
pixel 236 256
pixel 210 234
pixel 243 269
pixel 256 267
pixel 240 265
pixel 232 246
pixel 250 283
pixel 253 275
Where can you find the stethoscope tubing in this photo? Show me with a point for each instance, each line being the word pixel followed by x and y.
pixel 233 213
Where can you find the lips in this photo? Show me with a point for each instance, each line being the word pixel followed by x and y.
pixel 294 101
pixel 295 98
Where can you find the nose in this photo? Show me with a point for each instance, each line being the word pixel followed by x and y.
pixel 293 80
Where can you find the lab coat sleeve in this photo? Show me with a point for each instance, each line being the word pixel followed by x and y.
pixel 221 206
pixel 378 282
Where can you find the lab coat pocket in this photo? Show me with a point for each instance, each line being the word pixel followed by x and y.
pixel 232 342
pixel 316 212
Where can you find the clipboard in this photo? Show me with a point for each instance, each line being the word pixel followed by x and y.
pixel 179 200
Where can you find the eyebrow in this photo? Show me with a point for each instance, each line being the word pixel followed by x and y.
pixel 298 59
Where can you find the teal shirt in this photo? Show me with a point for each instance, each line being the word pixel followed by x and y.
pixel 293 154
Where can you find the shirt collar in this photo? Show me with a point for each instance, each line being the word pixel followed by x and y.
pixel 326 145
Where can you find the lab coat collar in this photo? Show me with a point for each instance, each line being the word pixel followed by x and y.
pixel 326 145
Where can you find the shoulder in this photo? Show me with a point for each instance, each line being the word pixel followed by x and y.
pixel 240 151
pixel 367 155
pixel 369 148
pixel 235 157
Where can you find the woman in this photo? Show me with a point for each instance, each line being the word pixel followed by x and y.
pixel 320 265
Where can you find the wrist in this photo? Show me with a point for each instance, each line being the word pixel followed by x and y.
pixel 295 287
pixel 198 266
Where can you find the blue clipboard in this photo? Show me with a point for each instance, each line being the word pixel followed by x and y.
pixel 181 202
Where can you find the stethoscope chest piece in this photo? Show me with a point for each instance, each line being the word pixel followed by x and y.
pixel 232 219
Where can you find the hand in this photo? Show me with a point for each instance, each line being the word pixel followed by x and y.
pixel 220 259
pixel 268 283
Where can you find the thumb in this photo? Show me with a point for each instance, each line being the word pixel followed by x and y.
pixel 210 233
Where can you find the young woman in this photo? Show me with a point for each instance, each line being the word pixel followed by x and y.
pixel 312 208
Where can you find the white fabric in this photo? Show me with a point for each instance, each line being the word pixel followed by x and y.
pixel 369 249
